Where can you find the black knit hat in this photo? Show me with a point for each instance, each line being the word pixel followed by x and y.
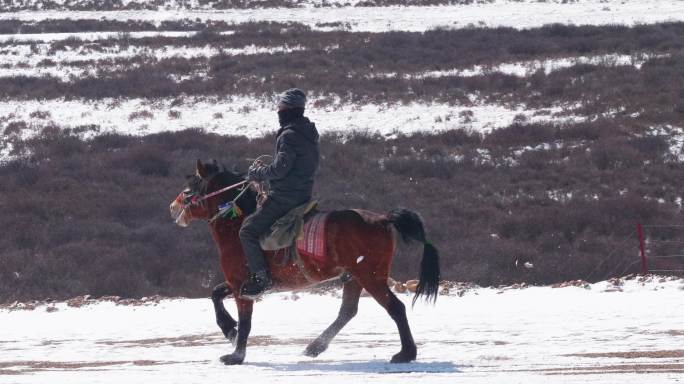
pixel 292 98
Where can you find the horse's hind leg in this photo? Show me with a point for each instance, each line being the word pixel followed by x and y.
pixel 397 311
pixel 350 305
pixel 223 318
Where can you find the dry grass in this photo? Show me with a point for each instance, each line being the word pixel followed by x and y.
pixel 90 217
pixel 130 247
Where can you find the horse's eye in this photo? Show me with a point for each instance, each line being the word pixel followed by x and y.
pixel 188 194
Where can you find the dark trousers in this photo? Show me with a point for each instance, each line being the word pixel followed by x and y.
pixel 258 224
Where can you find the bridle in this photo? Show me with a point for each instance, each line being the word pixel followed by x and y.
pixel 229 209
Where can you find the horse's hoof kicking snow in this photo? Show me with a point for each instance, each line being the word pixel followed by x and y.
pixel 404 357
pixel 314 349
pixel 232 359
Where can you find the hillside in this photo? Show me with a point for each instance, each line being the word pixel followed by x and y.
pixel 535 132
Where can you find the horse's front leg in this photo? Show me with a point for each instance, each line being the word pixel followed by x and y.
pixel 244 326
pixel 223 318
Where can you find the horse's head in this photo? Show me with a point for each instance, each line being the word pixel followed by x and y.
pixel 192 203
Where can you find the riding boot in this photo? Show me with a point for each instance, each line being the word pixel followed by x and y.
pixel 254 226
pixel 256 286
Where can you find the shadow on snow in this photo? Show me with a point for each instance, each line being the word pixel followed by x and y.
pixel 374 366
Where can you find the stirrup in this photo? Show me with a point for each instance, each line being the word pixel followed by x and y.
pixel 260 283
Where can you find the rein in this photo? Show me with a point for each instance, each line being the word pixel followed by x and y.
pixel 229 209
pixel 220 191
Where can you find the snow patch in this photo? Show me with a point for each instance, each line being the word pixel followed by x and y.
pixel 255 117
pixel 505 13
pixel 87 36
pixel 481 335
pixel 528 68
pixel 675 139
pixel 40 60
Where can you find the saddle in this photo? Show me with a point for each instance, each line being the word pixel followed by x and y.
pixel 302 230
pixel 299 236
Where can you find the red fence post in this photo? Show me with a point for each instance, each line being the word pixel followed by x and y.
pixel 642 246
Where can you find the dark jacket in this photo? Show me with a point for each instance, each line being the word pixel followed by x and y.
pixel 291 174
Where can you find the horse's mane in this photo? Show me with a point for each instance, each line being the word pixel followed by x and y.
pixel 224 178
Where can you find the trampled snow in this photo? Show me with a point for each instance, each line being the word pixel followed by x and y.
pixel 510 13
pixel 630 332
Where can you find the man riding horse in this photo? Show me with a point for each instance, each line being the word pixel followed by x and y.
pixel 291 179
pixel 358 242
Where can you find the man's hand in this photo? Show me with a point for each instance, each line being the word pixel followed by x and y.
pixel 254 173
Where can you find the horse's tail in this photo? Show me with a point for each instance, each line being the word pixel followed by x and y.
pixel 410 227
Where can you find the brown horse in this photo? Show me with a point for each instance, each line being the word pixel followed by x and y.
pixel 350 234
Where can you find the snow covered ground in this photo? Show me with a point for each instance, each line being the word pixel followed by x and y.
pixel 89 36
pixel 213 4
pixel 630 332
pixel 674 137
pixel 254 117
pixel 25 55
pixel 527 68
pixel 68 63
pixel 517 14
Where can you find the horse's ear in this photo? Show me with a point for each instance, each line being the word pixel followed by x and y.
pixel 201 171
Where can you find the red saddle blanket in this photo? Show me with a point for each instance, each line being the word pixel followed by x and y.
pixel 311 243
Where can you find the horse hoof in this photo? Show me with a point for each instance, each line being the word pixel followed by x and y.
pixel 403 357
pixel 232 359
pixel 314 349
